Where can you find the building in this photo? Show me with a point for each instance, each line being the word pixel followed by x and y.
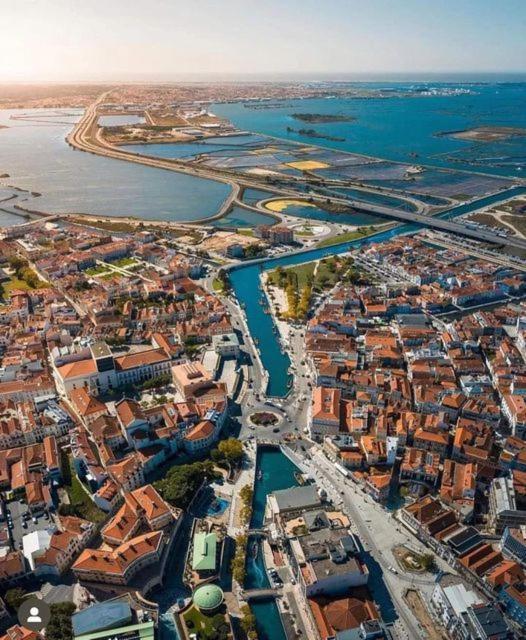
pixel 142 508
pixel 513 543
pixel 503 510
pixel 325 414
pixel 279 234
pixel 325 562
pixel 120 565
pixel 292 500
pixel 104 371
pixel 451 599
pixel 204 553
pixel 485 622
pixel 208 598
pixel 226 345
pixel 513 599
pixel 336 616
pixel 235 250
pixel 190 377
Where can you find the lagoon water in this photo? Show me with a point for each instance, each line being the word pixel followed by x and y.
pixel 36 156
pixel 396 127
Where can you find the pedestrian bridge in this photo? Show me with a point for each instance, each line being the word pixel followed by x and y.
pixel 261 594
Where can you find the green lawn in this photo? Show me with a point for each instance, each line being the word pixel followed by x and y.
pixel 123 263
pixel 302 272
pixel 217 285
pixel 96 271
pixel 202 623
pixel 81 502
pixel 14 284
pixel 245 232
pixel 346 237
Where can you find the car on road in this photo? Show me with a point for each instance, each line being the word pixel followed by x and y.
pixel 275 430
pixel 392 569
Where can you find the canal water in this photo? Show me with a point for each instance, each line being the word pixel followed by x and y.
pixel 245 281
pixel 277 473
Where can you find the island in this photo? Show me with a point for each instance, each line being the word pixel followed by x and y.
pixel 312 133
pixel 322 117
pixel 485 134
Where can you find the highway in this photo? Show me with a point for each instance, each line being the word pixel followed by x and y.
pixel 448 242
pixel 87 136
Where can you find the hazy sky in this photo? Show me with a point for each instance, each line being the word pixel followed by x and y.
pixel 169 39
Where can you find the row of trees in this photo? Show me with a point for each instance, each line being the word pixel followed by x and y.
pixel 239 559
pixel 247 495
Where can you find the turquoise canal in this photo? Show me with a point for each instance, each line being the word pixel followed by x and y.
pixel 277 473
pixel 245 281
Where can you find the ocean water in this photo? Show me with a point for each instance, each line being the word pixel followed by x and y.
pixel 34 153
pixel 398 127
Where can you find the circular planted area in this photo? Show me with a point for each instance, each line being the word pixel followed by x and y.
pixel 308 231
pixel 264 418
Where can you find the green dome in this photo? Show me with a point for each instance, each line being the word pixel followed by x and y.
pixel 208 597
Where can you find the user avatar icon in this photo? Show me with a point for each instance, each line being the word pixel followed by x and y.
pixel 34 617
pixel 34 614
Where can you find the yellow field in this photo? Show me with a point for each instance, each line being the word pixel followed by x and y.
pixel 280 205
pixel 263 151
pixel 307 165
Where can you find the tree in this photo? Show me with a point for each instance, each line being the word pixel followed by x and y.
pixel 239 559
pixel 14 597
pixel 248 622
pixel 246 494
pixel 222 276
pixel 59 626
pixel 428 562
pixel 182 482
pixel 232 451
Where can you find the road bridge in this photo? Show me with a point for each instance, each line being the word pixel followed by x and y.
pixel 87 137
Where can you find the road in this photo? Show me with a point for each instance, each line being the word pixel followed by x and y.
pixel 378 532
pixel 449 242
pixel 292 410
pixel 87 136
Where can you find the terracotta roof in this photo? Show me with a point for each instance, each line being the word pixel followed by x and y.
pixel 200 431
pixel 119 559
pixel 77 369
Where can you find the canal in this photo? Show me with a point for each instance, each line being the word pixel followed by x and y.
pixel 245 281
pixel 277 472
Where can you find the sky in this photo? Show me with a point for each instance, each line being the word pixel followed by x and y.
pixel 127 40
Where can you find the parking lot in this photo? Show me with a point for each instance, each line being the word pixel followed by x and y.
pixel 17 510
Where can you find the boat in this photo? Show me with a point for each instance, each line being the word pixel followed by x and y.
pixel 299 478
pixel 260 475
pixel 254 549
